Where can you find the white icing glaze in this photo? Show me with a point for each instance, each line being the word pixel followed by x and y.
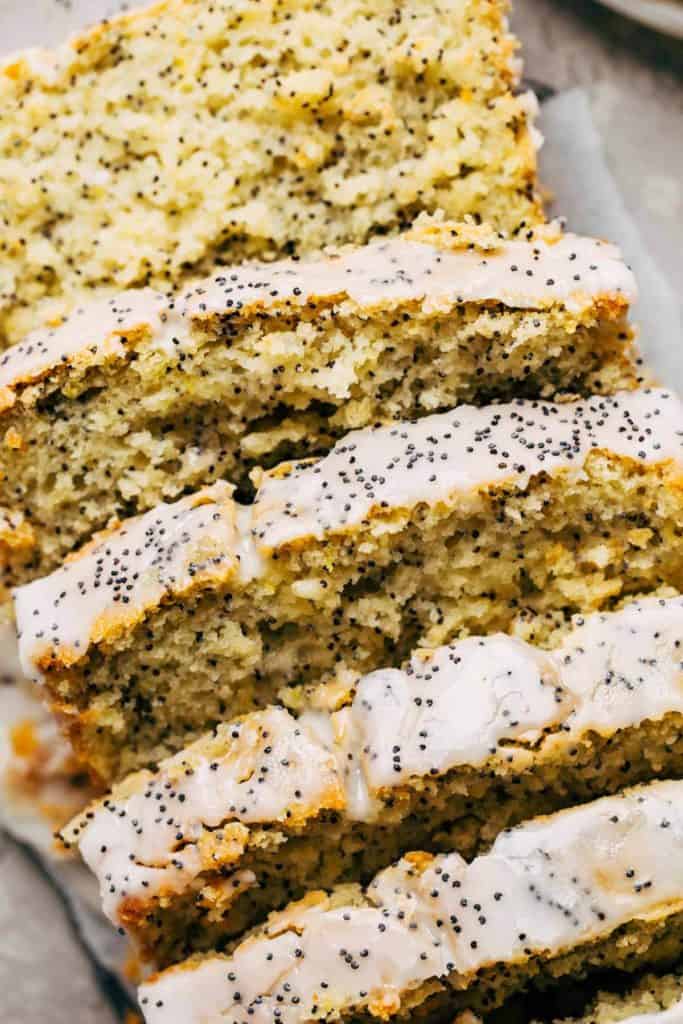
pixel 611 672
pixel 272 771
pixel 572 271
pixel 463 704
pixel 624 668
pixel 553 884
pixel 98 327
pixel 448 457
pixel 526 275
pixel 452 706
pixel 163 552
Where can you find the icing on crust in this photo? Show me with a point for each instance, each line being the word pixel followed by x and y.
pixel 451 457
pixel 572 271
pixel 550 885
pixel 462 704
pixel 457 704
pixel 271 769
pixel 123 572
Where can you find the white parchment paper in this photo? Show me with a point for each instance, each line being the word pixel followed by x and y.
pixel 573 167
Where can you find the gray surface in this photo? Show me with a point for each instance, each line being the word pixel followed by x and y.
pixel 634 79
pixel 44 975
pixel 573 160
pixel 635 84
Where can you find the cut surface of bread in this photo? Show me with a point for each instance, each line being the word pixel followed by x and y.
pixel 188 133
pixel 403 536
pixel 654 1000
pixel 138 399
pixel 444 754
pixel 595 886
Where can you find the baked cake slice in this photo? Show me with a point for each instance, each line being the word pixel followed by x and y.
pixel 443 754
pixel 137 399
pixel 187 133
pixel 402 536
pixel 595 886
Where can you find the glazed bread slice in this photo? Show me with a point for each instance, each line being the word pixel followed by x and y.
pixel 165 140
pixel 466 740
pixel 595 886
pixel 139 399
pixel 402 536
pixel 654 1000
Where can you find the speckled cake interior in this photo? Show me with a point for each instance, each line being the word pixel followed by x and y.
pixel 138 399
pixel 189 133
pixel 404 535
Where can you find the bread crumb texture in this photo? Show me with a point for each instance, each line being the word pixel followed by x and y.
pixel 654 1000
pixel 189 133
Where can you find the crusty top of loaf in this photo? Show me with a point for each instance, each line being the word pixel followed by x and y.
pixel 463 704
pixel 208 540
pixel 440 266
pixel 550 885
pixel 125 571
pixel 450 457
pixel 159 142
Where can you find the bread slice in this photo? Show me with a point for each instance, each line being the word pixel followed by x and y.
pixel 595 886
pixel 654 1000
pixel 164 140
pixel 138 399
pixel 468 739
pixel 403 536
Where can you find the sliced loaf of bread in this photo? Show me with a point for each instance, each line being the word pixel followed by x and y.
pixel 444 754
pixel 138 399
pixel 405 535
pixel 595 886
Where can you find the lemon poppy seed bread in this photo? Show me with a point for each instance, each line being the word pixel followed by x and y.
pixel 654 1000
pixel 595 886
pixel 443 754
pixel 137 399
pixel 402 536
pixel 163 140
